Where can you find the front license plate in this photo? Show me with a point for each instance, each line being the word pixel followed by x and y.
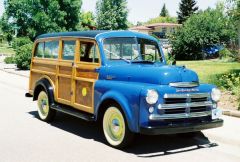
pixel 216 113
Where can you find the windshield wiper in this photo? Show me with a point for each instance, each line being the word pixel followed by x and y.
pixel 117 56
pixel 143 61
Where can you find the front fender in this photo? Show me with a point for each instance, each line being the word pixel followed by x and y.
pixel 130 113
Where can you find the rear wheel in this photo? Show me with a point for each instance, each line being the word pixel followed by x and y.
pixel 115 128
pixel 44 111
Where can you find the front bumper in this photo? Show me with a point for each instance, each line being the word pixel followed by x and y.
pixel 181 128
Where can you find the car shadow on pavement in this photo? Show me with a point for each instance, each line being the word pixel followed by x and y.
pixel 144 146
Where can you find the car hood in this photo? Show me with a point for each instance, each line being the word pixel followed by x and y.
pixel 152 74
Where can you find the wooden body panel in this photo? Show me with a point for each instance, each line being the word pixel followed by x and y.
pixel 73 81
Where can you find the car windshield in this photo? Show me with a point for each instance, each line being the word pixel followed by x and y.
pixel 132 50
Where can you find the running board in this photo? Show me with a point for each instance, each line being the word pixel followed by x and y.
pixel 73 112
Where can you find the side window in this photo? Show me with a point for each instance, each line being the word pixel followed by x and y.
pixel 51 49
pixel 68 50
pixel 40 50
pixel 88 52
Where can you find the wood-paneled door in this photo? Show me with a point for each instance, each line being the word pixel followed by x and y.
pixel 66 70
pixel 85 74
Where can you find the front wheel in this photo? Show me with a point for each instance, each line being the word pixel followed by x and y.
pixel 44 111
pixel 115 128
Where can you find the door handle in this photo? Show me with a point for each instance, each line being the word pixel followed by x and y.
pixel 97 69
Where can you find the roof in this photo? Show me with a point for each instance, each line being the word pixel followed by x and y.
pixel 87 34
pixel 163 24
pixel 140 28
pixel 96 34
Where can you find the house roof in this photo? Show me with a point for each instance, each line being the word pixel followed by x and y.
pixel 163 24
pixel 140 28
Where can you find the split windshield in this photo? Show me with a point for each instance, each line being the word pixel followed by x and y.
pixel 132 50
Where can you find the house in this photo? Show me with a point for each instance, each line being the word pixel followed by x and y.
pixel 158 29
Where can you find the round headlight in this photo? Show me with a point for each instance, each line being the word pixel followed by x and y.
pixel 216 94
pixel 152 96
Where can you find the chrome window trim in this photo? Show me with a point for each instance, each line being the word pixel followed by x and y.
pixel 179 116
pixel 184 105
pixel 184 84
pixel 187 95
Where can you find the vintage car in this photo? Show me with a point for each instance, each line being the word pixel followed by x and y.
pixel 120 79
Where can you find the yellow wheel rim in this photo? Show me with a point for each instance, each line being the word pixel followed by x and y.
pixel 43 105
pixel 114 126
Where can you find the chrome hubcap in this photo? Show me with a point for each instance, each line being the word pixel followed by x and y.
pixel 43 107
pixel 114 126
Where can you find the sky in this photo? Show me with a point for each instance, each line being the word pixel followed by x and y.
pixel 143 10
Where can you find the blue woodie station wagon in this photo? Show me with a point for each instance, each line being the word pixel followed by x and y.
pixel 121 79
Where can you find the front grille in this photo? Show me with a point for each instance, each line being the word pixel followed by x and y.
pixel 186 104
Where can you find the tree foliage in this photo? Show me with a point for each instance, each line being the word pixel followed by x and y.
pixel 164 11
pixel 161 19
pixel 202 29
pixel 87 21
pixel 186 9
pixel 112 14
pixel 42 16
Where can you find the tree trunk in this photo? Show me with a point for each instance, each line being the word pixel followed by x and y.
pixel 239 43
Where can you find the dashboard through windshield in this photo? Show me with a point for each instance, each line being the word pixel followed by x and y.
pixel 132 49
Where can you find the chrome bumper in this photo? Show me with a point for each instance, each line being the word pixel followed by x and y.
pixel 154 117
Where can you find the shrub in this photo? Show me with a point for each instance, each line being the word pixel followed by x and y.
pixel 229 81
pixel 224 53
pixel 23 56
pixel 18 42
pixel 9 60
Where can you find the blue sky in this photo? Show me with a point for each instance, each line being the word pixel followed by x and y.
pixel 143 10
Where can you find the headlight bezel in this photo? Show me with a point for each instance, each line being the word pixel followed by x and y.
pixel 216 94
pixel 152 96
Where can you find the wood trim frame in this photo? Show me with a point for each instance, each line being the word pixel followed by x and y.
pixel 74 64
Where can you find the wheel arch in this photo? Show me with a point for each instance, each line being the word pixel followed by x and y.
pixel 119 99
pixel 44 84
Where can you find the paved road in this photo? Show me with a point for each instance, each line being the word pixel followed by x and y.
pixel 24 138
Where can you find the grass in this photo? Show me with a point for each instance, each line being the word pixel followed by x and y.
pixel 208 68
pixel 6 49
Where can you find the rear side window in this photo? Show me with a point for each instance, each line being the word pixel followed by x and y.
pixel 51 49
pixel 40 50
pixel 47 50
pixel 68 50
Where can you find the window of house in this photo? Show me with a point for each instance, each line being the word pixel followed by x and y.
pixel 68 50
pixel 164 29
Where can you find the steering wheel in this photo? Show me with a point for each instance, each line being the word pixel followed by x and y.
pixel 152 57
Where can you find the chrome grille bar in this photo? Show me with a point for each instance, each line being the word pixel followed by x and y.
pixel 184 84
pixel 179 116
pixel 184 105
pixel 188 95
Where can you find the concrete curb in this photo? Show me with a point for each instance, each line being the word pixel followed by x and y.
pixel 233 113
pixel 13 72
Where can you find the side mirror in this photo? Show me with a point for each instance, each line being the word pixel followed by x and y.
pixel 174 62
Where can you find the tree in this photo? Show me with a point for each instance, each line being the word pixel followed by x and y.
pixel 161 19
pixel 186 9
pixel 164 11
pixel 87 21
pixel 200 30
pixel 234 13
pixel 112 14
pixel 42 16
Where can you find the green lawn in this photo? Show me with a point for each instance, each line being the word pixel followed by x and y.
pixel 208 68
pixel 6 49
